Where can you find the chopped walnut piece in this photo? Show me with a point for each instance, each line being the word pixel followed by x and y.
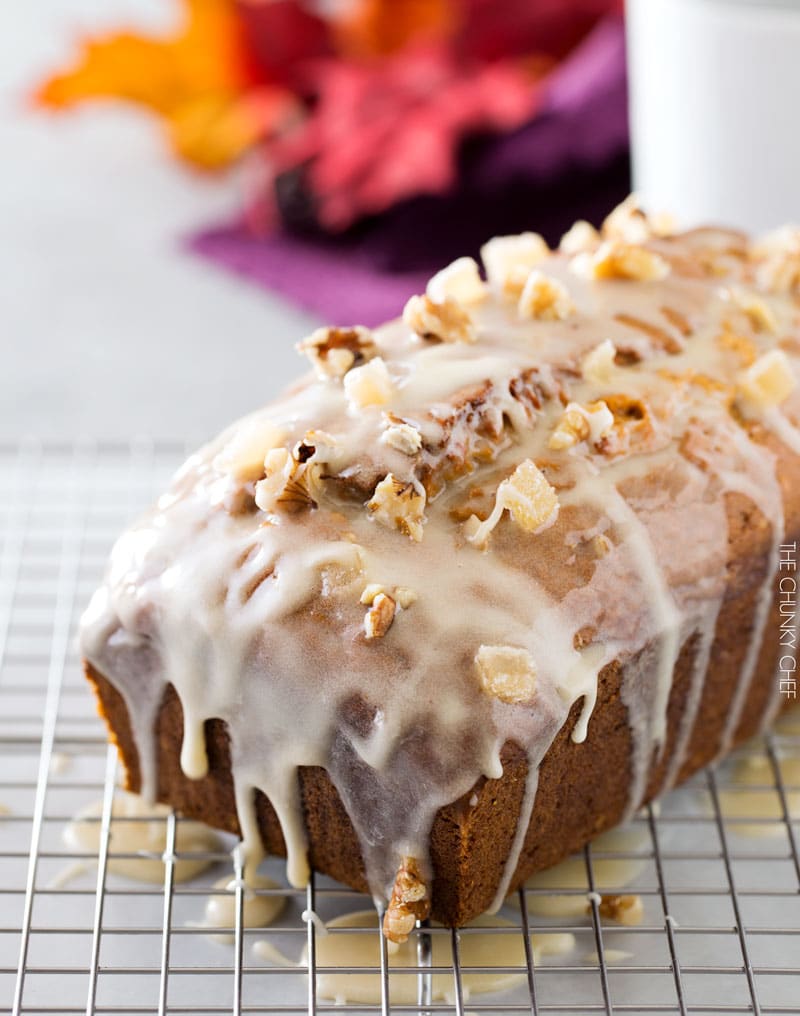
pixel 403 437
pixel 405 596
pixel 627 910
pixel 633 426
pixel 508 260
pixel 379 617
pixel 446 321
pixel 459 281
pixel 571 429
pixel 544 298
pixel 369 385
pixel 293 481
pixel 507 673
pixel 616 260
pixel 579 238
pixel 370 592
pixel 531 502
pixel 242 456
pixel 768 382
pixel 279 467
pixel 408 903
pixel 599 363
pixel 581 423
pixel 333 351
pixel 399 505
pixel 402 595
pixel 758 311
pixel 601 545
pixel 318 445
pixel 780 274
pixel 627 222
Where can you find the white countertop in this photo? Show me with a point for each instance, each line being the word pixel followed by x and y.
pixel 108 328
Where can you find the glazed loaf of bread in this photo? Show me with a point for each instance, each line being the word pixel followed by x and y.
pixel 487 580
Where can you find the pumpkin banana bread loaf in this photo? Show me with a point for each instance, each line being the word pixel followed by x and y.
pixel 486 580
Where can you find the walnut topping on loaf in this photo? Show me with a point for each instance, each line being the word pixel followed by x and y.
pixel 408 903
pixel 379 617
pixel 627 909
pixel 460 281
pixel 614 259
pixel 399 505
pixel 439 321
pixel 581 423
pixel 519 524
pixel 402 436
pixel 509 260
pixel 580 238
pixel 628 222
pixel 333 351
pixel 544 299
pixel 369 385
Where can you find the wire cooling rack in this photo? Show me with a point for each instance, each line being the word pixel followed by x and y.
pixel 721 898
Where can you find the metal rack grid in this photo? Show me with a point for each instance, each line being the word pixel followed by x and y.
pixel 721 927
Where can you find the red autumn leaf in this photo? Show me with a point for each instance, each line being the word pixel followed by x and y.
pixel 383 132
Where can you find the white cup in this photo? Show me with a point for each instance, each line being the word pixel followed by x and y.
pixel 715 109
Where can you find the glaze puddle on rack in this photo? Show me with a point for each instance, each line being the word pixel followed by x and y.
pixel 721 924
pixel 137 840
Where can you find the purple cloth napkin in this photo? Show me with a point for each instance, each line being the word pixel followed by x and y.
pixel 570 162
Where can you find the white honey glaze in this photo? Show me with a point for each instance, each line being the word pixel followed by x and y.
pixel 561 891
pixel 262 903
pixel 138 839
pixel 255 616
pixel 488 948
pixel 60 763
pixel 753 795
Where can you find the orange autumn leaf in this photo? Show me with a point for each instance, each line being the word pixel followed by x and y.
pixel 196 79
pixel 212 132
pixel 380 27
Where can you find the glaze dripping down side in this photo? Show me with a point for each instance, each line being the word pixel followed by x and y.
pixel 431 547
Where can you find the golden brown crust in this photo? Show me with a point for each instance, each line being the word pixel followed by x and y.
pixel 582 789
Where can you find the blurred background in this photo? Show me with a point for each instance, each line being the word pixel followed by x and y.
pixel 189 186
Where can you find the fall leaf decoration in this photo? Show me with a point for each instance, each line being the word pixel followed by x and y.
pixel 379 27
pixel 198 80
pixel 368 101
pixel 414 108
